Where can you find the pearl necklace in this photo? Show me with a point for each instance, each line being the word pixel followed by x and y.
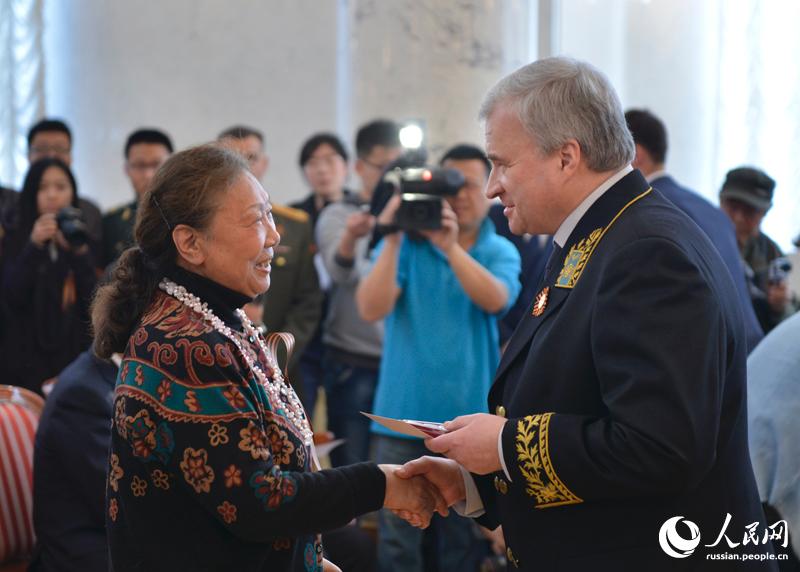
pixel 282 394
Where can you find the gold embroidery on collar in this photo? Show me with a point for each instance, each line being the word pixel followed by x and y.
pixel 580 253
pixel 533 454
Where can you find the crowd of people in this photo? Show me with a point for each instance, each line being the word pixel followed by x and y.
pixel 163 398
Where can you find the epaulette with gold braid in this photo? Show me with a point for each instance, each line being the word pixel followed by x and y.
pixel 290 213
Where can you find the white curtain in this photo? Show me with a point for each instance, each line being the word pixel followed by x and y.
pixel 21 83
pixel 758 121
pixel 724 75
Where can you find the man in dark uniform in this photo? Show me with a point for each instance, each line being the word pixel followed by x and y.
pixel 746 196
pixel 618 439
pixel 650 137
pixel 145 151
pixel 293 302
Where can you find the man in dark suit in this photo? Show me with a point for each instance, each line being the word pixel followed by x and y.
pixel 618 439
pixel 650 138
pixel 69 469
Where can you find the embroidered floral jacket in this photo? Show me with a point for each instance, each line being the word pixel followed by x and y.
pixel 205 470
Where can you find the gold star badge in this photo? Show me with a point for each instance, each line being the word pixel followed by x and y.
pixel 540 303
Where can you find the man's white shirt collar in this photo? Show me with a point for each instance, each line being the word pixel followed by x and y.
pixel 569 224
pixel 656 175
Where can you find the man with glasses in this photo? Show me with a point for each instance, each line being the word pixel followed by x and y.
pixel 145 151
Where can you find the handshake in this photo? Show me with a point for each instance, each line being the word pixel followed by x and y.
pixel 419 488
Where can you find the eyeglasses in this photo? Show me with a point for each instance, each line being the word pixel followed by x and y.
pixel 48 151
pixel 377 166
pixel 144 166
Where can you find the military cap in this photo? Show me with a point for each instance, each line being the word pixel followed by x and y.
pixel 750 186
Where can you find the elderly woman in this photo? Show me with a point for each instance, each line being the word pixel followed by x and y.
pixel 211 458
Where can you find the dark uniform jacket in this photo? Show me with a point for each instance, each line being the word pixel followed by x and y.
pixel 293 302
pixel 719 230
pixel 118 231
pixel 69 469
pixel 626 398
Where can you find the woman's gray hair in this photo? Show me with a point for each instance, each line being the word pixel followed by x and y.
pixel 560 98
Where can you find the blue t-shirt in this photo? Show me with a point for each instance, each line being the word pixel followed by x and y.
pixel 440 349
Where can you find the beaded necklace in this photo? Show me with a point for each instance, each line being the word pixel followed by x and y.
pixel 282 394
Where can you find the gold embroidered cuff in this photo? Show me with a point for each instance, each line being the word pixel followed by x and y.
pixel 533 454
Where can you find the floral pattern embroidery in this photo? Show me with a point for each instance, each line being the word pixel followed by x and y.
pixel 148 440
pixel 191 402
pixel 115 473
pixel 227 511
pixel 120 418
pixel 138 486
pixel 282 447
pixel 113 509
pixel 273 488
pixel 139 378
pixel 224 355
pixel 140 337
pixel 164 390
pixel 233 477
pixel 235 398
pixel 254 441
pixel 196 470
pixel 218 435
pixel 160 479
pixel 312 557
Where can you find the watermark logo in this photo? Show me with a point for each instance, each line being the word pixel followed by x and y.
pixel 673 543
pixel 679 538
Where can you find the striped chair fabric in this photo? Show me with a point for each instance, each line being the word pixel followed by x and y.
pixel 19 415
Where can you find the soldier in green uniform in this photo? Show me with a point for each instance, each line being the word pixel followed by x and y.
pixel 746 196
pixel 293 303
pixel 145 151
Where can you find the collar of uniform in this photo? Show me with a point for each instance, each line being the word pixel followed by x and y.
pixel 569 224
pixel 656 175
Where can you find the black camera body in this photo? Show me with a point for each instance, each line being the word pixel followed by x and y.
pixel 421 192
pixel 72 226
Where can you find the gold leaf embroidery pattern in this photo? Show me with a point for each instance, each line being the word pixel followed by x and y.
pixel 533 455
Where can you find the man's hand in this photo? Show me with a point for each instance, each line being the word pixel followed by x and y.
pixel 442 473
pixel 778 297
pixel 416 496
pixel 359 224
pixel 446 237
pixel 471 441
pixel 386 218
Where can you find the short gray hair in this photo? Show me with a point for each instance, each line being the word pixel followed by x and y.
pixel 561 98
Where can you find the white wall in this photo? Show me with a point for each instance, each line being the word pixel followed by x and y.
pixel 193 68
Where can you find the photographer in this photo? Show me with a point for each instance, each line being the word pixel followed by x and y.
pixel 746 196
pixel 441 293
pixel 48 277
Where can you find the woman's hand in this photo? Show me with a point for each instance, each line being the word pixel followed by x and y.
pixel 415 496
pixel 63 244
pixel 44 229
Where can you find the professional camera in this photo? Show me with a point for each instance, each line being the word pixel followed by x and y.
pixel 421 192
pixel 779 270
pixel 72 226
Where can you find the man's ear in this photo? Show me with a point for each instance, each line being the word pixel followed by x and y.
pixel 359 167
pixel 570 156
pixel 190 244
